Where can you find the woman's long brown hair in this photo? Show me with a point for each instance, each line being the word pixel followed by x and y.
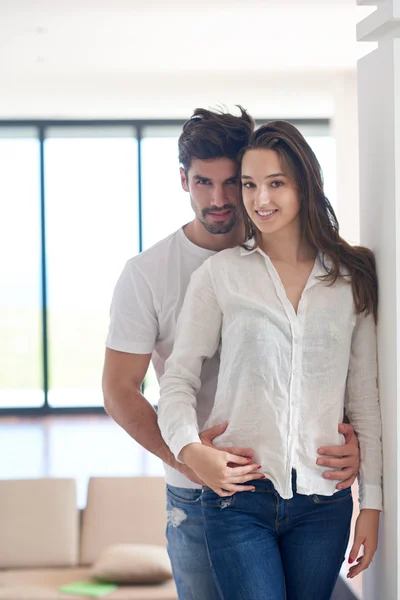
pixel 318 221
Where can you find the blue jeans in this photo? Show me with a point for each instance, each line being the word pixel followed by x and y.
pixel 187 545
pixel 265 548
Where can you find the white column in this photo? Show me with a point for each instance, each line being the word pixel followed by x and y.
pixel 345 131
pixel 379 139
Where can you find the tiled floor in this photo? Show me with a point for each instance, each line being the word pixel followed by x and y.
pixel 78 447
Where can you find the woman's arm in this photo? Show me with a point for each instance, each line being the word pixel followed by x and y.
pixel 363 410
pixel 197 337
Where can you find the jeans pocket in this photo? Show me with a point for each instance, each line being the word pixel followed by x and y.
pixel 339 496
pixel 183 495
pixel 210 499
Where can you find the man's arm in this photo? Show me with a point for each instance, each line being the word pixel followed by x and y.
pixel 123 375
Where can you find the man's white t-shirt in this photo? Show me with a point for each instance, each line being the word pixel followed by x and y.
pixel 146 304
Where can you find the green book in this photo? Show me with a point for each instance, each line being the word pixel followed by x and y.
pixel 88 588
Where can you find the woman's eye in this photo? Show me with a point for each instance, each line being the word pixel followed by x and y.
pixel 247 184
pixel 276 184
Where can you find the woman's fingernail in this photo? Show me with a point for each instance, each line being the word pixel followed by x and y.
pixel 327 475
pixel 320 461
pixel 262 477
pixel 351 560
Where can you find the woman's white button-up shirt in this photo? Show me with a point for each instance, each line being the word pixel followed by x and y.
pixel 285 378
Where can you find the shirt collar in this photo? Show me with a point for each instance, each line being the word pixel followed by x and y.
pixel 249 249
pixel 323 263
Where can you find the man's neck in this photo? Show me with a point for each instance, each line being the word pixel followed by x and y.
pixel 198 235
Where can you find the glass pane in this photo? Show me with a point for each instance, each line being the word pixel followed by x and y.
pixel 165 206
pixel 92 229
pixel 151 387
pixel 20 271
pixel 77 449
pixel 22 450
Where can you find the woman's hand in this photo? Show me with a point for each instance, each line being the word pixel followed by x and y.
pixel 366 534
pixel 211 466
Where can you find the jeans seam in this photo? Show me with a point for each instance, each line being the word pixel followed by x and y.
pixel 315 500
pixel 213 570
pixel 339 566
pixel 174 498
pixel 285 521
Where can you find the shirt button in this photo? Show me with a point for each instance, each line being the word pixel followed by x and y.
pixel 295 371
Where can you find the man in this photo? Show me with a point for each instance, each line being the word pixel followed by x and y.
pixel 146 304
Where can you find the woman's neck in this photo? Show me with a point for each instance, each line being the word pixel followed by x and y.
pixel 287 246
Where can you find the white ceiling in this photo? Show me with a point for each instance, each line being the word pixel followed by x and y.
pixel 126 37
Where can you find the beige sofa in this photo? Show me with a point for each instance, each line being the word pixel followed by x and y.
pixel 46 542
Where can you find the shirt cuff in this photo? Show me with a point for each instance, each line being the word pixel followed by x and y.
pixel 370 496
pixel 129 346
pixel 186 435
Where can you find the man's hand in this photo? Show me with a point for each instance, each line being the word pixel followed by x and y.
pixel 208 436
pixel 346 458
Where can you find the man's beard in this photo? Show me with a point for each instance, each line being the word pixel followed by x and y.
pixel 220 227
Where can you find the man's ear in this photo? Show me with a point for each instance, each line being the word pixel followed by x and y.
pixel 184 181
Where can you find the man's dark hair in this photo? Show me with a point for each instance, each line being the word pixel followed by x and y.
pixel 214 134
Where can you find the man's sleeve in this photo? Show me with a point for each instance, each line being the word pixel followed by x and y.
pixel 133 319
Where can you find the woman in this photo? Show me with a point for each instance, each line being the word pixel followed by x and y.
pixel 293 312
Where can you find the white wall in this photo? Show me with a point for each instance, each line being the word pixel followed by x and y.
pixel 345 131
pixel 379 101
pixel 290 94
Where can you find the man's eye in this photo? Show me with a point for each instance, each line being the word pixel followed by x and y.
pixel 232 181
pixel 203 181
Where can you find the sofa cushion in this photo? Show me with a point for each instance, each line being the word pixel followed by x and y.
pixel 133 563
pixel 38 523
pixel 122 510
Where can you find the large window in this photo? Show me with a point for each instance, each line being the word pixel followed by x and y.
pixel 91 230
pixel 76 201
pixel 166 207
pixel 21 381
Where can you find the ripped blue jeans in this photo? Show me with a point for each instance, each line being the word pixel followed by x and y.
pixel 187 546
